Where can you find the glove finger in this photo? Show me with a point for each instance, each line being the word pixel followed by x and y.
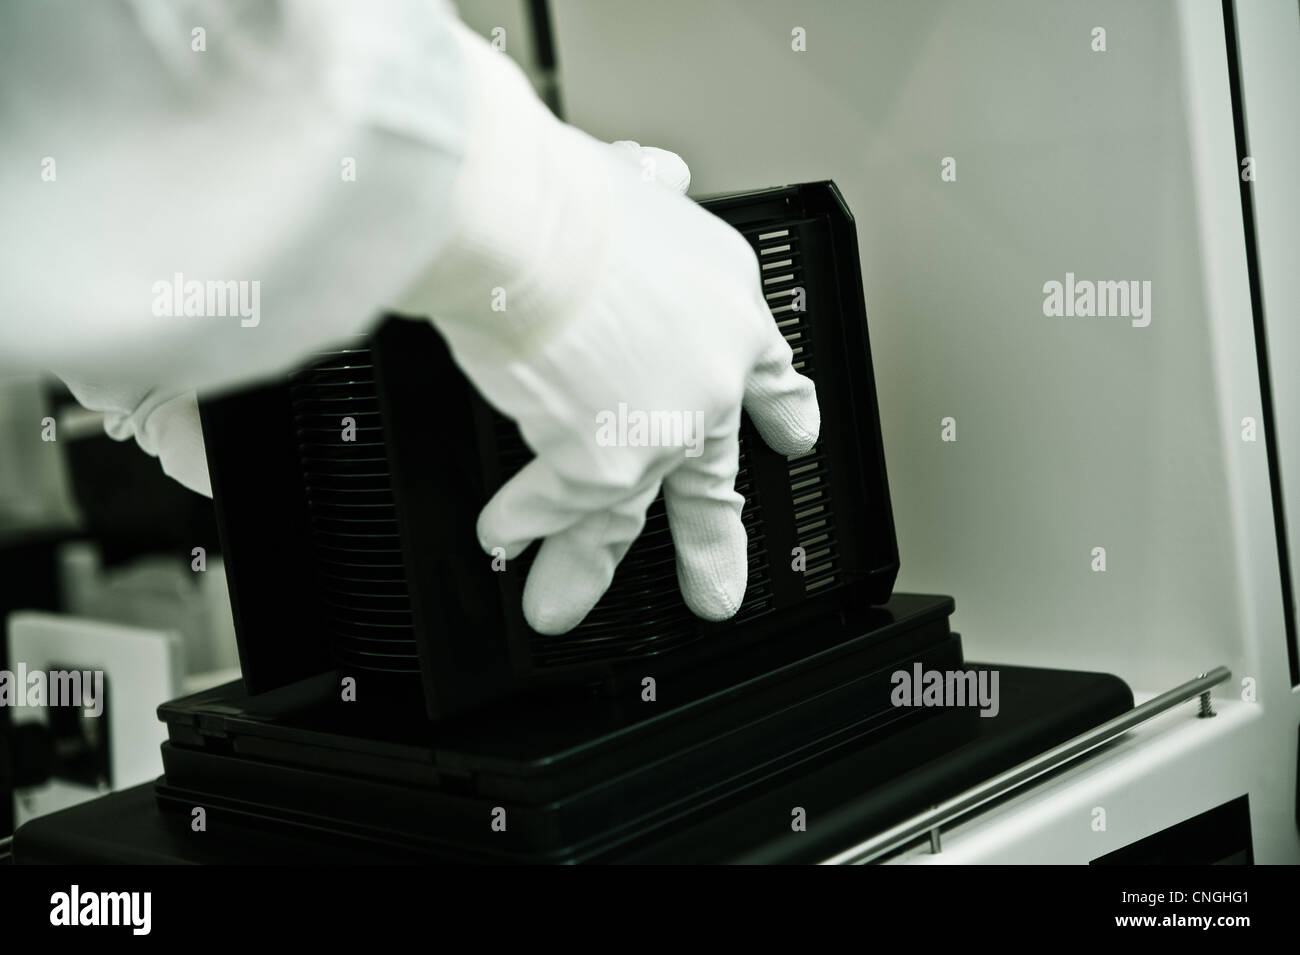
pixel 658 165
pixel 574 567
pixel 708 536
pixel 536 502
pixel 781 402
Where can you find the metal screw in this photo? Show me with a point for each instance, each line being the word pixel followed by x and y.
pixel 935 847
pixel 1207 706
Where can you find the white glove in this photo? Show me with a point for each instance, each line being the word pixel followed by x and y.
pixel 576 283
pixel 163 424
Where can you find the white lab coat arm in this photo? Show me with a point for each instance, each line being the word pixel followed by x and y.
pixel 192 219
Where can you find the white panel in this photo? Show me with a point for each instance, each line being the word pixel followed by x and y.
pixel 141 670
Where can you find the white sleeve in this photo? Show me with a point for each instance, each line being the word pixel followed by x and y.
pixel 198 194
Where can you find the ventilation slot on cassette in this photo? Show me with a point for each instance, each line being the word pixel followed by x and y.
pixel 354 526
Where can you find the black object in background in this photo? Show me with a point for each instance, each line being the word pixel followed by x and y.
pixel 130 508
pixel 29 580
pixel 362 553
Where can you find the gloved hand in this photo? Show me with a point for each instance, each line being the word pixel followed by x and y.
pixel 163 423
pixel 616 290
pixel 576 283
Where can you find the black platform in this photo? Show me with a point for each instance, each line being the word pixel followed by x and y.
pixel 847 799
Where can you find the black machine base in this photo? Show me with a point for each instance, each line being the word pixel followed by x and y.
pixel 607 778
pixel 846 801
